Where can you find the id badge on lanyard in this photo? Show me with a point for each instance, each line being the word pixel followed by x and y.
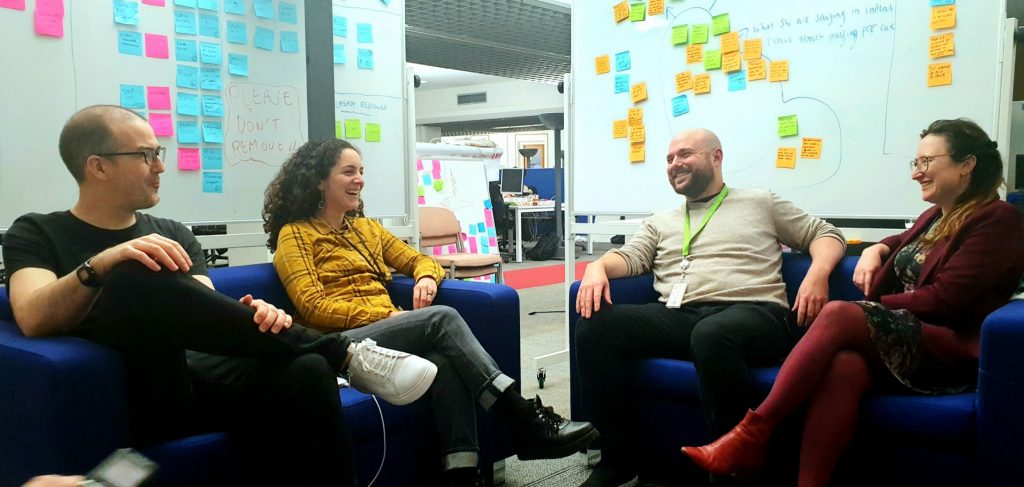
pixel 675 298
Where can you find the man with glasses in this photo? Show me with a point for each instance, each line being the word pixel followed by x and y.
pixel 138 284
pixel 716 262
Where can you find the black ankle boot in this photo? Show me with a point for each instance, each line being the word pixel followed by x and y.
pixel 540 432
pixel 462 477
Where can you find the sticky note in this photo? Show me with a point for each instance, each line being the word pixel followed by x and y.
pixel 694 53
pixel 133 96
pixel 338 132
pixel 238 64
pixel 680 34
pixel 185 50
pixel 289 41
pixel 638 92
pixel 620 11
pixel 621 83
pixel 702 84
pixel 188 159
pixel 937 3
pixel 680 105
pixel 188 104
pixel 778 71
pixel 187 77
pixel 156 46
pixel 756 69
pixel 737 81
pixel 264 8
pixel 637 12
pixel 943 17
pixel 210 53
pixel 786 158
pixel 751 49
pixel 213 158
pixel 731 61
pixel 602 64
pixel 188 132
pixel 185 3
pixel 788 126
pixel 637 152
pixel 622 61
pixel 339 54
pixel 126 12
pixel 940 45
pixel 158 97
pixel 213 182
pixel 353 128
pixel 213 132
pixel 213 106
pixel 636 134
pixel 684 81
pixel 372 132
pixel 635 117
pixel 236 7
pixel 364 33
pixel 155 3
pixel 364 59
pixel 13 4
pixel 287 13
pixel 720 24
pixel 730 42
pixel 340 26
pixel 210 79
pixel 712 59
pixel 940 74
pixel 209 26
pixel 810 148
pixel 129 43
pixel 438 185
pixel 619 129
pixel 699 33
pixel 208 5
pixel 49 18
pixel 184 22
pixel 263 38
pixel 162 124
pixel 656 7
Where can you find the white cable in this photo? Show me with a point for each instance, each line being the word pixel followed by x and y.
pixel 384 435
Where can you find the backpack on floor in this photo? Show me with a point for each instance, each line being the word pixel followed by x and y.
pixel 545 248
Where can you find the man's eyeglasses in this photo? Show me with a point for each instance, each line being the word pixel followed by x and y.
pixel 150 155
pixel 922 163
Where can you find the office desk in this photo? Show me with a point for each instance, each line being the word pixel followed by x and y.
pixel 517 212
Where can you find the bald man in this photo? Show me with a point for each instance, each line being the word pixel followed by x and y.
pixel 716 262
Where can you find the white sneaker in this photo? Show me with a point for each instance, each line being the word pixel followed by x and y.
pixel 396 377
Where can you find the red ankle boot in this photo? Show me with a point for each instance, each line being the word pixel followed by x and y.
pixel 742 448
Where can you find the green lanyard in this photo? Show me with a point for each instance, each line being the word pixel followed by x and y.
pixel 711 211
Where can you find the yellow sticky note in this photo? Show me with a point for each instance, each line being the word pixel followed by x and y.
pixel 940 74
pixel 810 148
pixel 353 129
pixel 637 152
pixel 941 45
pixel 731 61
pixel 756 69
pixel 339 133
pixel 638 92
pixel 372 132
pixel 786 158
pixel 720 24
pixel 751 49
pixel 635 117
pixel 603 64
pixel 619 129
pixel 944 17
pixel 702 83
pixel 694 54
pixel 621 11
pixel 684 81
pixel 699 33
pixel 778 71
pixel 636 134
pixel 730 42
pixel 655 7
pixel 680 34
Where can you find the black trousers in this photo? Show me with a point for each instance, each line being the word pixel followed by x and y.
pixel 721 339
pixel 276 394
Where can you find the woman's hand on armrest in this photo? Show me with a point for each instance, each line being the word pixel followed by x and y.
pixel 868 266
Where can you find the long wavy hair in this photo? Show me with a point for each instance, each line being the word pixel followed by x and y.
pixel 965 139
pixel 293 194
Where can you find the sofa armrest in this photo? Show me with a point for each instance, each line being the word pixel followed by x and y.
pixel 1001 393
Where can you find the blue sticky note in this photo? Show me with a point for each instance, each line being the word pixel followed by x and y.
pixel 237 32
pixel 472 229
pixel 364 59
pixel 340 26
pixel 289 41
pixel 185 50
pixel 133 96
pixel 426 180
pixel 480 227
pixel 213 158
pixel 287 13
pixel 126 12
pixel 622 83
pixel 238 64
pixel 264 8
pixel 939 3
pixel 680 105
pixel 488 204
pixel 364 33
pixel 339 54
pixel 209 79
pixel 209 25
pixel 209 53
pixel 188 77
pixel 213 132
pixel 490 233
pixel 236 7
pixel 263 38
pixel 213 106
pixel 185 3
pixel 213 182
pixel 188 104
pixel 386 2
pixel 737 80
pixel 622 61
pixel 129 43
pixel 209 5
pixel 184 22
pixel 188 132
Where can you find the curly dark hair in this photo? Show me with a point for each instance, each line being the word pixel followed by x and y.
pixel 293 195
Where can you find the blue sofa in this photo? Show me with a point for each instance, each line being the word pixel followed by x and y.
pixel 975 438
pixel 63 407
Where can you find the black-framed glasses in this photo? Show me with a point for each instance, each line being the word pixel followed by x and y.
pixel 922 163
pixel 149 155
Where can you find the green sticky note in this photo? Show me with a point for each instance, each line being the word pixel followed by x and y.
pixel 720 24
pixel 787 126
pixel 637 12
pixel 680 33
pixel 353 129
pixel 372 132
pixel 712 59
pixel 419 190
pixel 438 185
pixel 338 133
pixel 699 34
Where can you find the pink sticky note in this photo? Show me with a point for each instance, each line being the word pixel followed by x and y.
pixel 488 218
pixel 436 250
pixel 420 200
pixel 188 159
pixel 419 164
pixel 15 4
pixel 162 124
pixel 472 245
pixel 452 249
pixel 158 97
pixel 156 46
pixel 49 17
pixel 436 171
pixel 158 3
pixel 493 241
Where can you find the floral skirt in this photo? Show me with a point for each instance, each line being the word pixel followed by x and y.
pixel 897 337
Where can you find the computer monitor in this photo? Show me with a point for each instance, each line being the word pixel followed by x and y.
pixel 511 180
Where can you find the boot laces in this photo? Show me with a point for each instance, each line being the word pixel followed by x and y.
pixel 547 414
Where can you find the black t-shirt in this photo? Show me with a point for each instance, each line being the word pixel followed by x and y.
pixel 60 242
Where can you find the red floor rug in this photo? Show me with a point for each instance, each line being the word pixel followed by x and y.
pixel 540 276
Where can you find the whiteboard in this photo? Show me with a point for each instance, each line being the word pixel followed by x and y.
pixel 46 79
pixel 369 85
pixel 857 80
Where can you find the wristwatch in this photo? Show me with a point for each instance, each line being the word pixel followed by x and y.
pixel 87 275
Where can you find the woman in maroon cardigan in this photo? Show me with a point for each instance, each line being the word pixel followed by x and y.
pixel 928 291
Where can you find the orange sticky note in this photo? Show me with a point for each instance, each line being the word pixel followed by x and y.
pixel 637 152
pixel 786 158
pixel 940 74
pixel 636 134
pixel 694 53
pixel 941 45
pixel 702 83
pixel 810 148
pixel 684 81
pixel 621 11
pixel 635 116
pixel 756 69
pixel 655 7
pixel 751 49
pixel 619 129
pixel 730 42
pixel 944 17
pixel 778 71
pixel 731 61
pixel 638 92
pixel 603 64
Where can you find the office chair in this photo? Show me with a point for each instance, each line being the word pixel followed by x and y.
pixel 500 212
pixel 438 226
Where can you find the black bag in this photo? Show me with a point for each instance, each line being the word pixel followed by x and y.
pixel 545 248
